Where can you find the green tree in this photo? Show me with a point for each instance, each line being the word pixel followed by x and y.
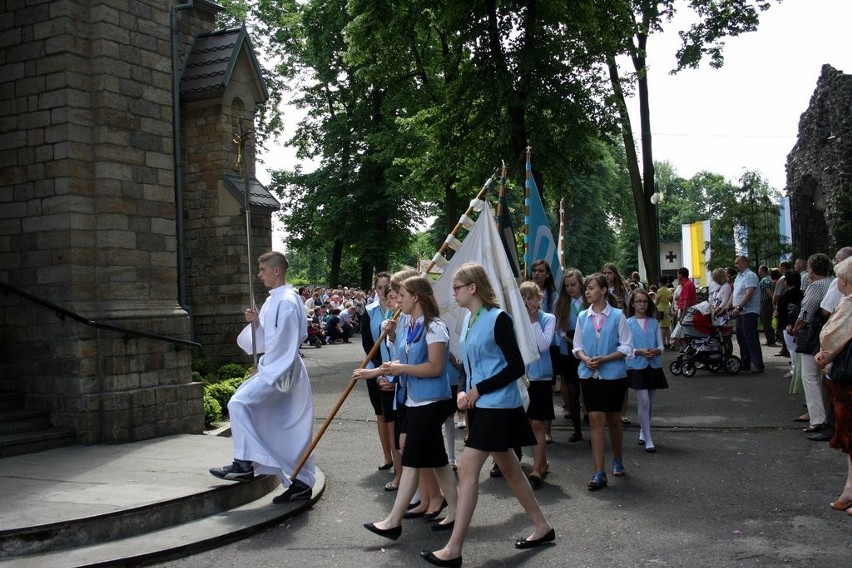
pixel 752 212
pixel 631 23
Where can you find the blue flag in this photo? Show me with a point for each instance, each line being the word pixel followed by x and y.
pixel 539 238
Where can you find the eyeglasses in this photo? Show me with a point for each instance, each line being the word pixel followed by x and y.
pixel 456 288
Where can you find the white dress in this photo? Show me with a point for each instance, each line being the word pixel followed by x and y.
pixel 271 428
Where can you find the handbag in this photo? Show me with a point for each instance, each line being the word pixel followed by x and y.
pixel 841 367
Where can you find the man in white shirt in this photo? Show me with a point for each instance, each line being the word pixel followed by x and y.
pixel 272 412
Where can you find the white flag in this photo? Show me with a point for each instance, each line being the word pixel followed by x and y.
pixel 482 245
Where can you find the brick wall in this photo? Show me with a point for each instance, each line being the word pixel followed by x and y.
pixel 87 216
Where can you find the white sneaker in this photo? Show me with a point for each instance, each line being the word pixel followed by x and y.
pixel 789 375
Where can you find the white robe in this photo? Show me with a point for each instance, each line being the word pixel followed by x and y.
pixel 270 428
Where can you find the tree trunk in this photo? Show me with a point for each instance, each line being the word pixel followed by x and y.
pixel 336 258
pixel 646 215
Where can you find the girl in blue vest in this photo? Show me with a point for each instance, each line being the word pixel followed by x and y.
pixel 421 341
pixel 540 371
pixel 571 302
pixel 496 418
pixel 543 276
pixel 602 340
pixel 382 401
pixel 644 369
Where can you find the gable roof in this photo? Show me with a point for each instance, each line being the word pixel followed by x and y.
pixel 211 63
pixel 259 196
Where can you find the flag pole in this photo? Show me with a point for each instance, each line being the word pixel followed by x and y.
pixel 501 194
pixel 242 162
pixel 369 357
pixel 562 234
pixel 528 169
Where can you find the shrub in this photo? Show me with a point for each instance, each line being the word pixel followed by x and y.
pixel 212 410
pixel 231 371
pixel 221 393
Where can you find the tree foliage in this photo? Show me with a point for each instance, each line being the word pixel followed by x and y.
pixel 410 104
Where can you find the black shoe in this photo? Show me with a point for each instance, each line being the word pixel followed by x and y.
pixel 495 471
pixel 432 515
pixel 445 527
pixel 297 491
pixel 823 436
pixel 412 505
pixel 526 543
pixel 392 534
pixel 235 472
pixel 413 514
pixel 576 437
pixel 756 371
pixel 435 561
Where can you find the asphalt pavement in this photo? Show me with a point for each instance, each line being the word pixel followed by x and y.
pixel 734 482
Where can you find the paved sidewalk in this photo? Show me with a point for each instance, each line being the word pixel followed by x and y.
pixel 734 483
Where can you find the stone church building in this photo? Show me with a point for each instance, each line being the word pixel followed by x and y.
pixel 819 169
pixel 122 210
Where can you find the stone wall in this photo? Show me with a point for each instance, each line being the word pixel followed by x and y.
pixel 819 168
pixel 87 216
pixel 215 226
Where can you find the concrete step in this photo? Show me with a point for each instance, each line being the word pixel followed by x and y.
pixel 22 420
pixel 175 541
pixel 123 523
pixel 27 442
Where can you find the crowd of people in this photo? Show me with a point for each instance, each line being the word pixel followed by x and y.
pixel 598 337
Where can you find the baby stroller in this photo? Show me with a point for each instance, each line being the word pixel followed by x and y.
pixel 316 337
pixel 704 347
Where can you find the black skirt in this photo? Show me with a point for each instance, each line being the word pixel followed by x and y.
pixel 567 366
pixel 541 401
pixel 603 396
pixel 648 378
pixel 499 429
pixel 424 440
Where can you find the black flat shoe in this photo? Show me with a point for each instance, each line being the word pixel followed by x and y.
pixel 435 561
pixel 495 471
pixel 432 515
pixel 575 437
pixel 526 543
pixel 385 466
pixel 445 527
pixel 412 505
pixel 392 534
pixel 413 514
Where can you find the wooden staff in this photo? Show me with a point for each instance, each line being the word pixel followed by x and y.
pixel 376 346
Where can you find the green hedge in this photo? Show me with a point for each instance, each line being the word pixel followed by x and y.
pixel 219 386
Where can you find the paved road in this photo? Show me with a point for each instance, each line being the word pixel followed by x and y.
pixel 733 483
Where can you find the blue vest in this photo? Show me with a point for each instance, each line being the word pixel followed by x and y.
pixel 542 368
pixel 483 359
pixel 646 339
pixel 377 316
pixel 564 346
pixel 420 389
pixel 606 344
